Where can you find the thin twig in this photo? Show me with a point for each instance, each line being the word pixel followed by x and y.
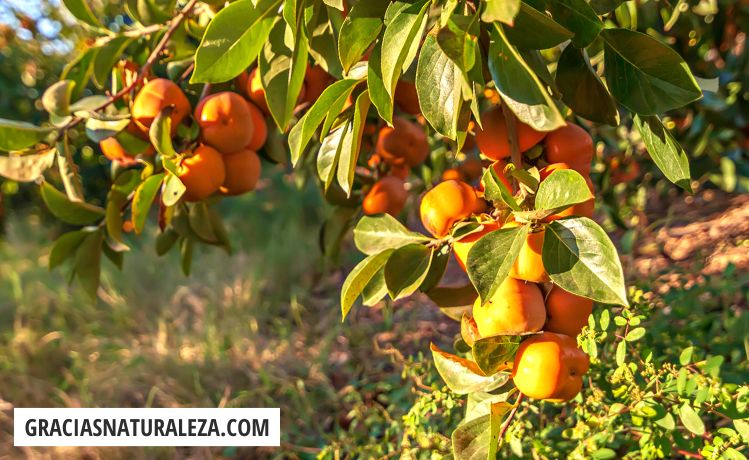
pixel 152 58
pixel 509 419
pixel 512 135
pixel 130 33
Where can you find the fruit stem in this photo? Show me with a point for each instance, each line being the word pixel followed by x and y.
pixel 507 424
pixel 512 135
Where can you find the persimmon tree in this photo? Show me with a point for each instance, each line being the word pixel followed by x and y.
pixel 479 106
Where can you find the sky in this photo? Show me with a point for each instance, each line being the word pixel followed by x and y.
pixel 46 26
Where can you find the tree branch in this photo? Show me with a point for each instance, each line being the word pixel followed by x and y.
pixel 152 58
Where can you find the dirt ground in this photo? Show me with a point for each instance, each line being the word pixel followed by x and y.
pixel 697 235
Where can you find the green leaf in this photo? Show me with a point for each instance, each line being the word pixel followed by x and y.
pixel 327 108
pixel 635 334
pixel 18 135
pixel 685 357
pixel 496 191
pixel 666 422
pixel 115 256
pixel 71 212
pixel 65 246
pixel 79 70
pixel 88 263
pixel 406 269
pixel 117 197
pixel 233 39
pixel 282 72
pixel 360 28
pixel 492 353
pixel 185 249
pixel 439 84
pixel 582 89
pixel 547 33
pixel 645 75
pixel 377 91
pixel 603 454
pixel 374 234
pixel 742 427
pixel 440 257
pixel 358 279
pixel 605 6
pixel 26 168
pixel 375 290
pixel 691 420
pixel 478 438
pixel 463 376
pixel 500 10
pixel 68 170
pixel 581 259
pixel 200 222
pixel 149 12
pixel 400 42
pixel 579 17
pixel 349 155
pixel 107 57
pixel 81 11
pixel 450 297
pixel 143 199
pixel 519 86
pixel 458 41
pixel 160 133
pixel 323 42
pixel 491 258
pixel 329 153
pixel 56 98
pixel 173 190
pixel 165 241
pixel 219 229
pixel 337 4
pixel 98 130
pixel 621 353
pixel 562 189
pixel 665 151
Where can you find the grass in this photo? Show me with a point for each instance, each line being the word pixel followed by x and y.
pixel 260 328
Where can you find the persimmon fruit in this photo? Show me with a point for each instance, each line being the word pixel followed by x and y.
pixel 241 172
pixel 493 139
pixel 567 313
pixel 387 196
pixel 113 148
pixel 403 143
pixel 529 265
pixel 316 79
pixel 255 90
pixel 549 366
pixel 517 307
pixel 447 203
pixel 406 98
pixel 451 174
pixel 260 132
pixel 225 121
pixel 572 145
pixel 202 173
pixel 156 95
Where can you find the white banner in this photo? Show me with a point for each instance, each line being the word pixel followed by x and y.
pixel 146 427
